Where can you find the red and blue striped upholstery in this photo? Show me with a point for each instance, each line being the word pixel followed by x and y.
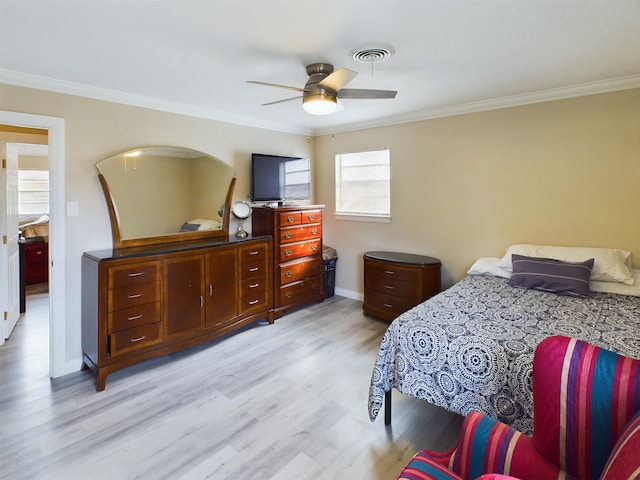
pixel 584 396
pixel 584 401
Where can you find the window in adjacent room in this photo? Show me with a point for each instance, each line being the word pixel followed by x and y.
pixel 363 185
pixel 33 193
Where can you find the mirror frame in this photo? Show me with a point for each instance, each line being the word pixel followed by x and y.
pixel 119 242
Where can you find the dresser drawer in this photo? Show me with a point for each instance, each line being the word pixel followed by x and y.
pixel 297 234
pixel 292 292
pixel 36 253
pixel 294 271
pixel 253 285
pixel 251 253
pixel 135 338
pixel 134 274
pixel 290 218
pixel 389 303
pixel 134 317
pixel 389 270
pixel 132 295
pixel 292 251
pixel 390 285
pixel 311 216
pixel 254 269
pixel 254 300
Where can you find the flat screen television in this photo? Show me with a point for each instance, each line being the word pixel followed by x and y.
pixel 276 178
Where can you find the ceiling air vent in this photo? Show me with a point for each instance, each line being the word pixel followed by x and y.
pixel 372 54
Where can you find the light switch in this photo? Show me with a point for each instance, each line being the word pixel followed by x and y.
pixel 72 209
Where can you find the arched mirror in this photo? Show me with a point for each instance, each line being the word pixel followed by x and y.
pixel 166 194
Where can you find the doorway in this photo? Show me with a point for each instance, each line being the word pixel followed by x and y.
pixel 58 364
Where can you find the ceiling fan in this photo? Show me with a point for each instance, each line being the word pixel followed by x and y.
pixel 323 89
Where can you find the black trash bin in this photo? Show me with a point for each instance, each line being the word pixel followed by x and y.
pixel 329 260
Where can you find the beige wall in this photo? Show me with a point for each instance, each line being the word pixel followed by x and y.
pixel 95 130
pixel 559 173
pixel 564 172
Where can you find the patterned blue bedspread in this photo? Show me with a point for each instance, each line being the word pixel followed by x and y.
pixel 471 347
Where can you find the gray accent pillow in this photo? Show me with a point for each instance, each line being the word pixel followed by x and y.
pixel 189 227
pixel 550 275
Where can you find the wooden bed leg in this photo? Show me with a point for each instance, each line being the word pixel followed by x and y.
pixel 387 408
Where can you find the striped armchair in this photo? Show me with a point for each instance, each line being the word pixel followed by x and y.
pixel 586 404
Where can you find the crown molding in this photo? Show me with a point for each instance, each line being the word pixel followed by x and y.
pixel 71 88
pixel 20 79
pixel 603 86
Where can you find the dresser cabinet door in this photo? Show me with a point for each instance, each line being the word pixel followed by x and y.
pixel 222 287
pixel 183 294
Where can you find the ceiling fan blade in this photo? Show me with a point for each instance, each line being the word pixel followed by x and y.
pixel 281 101
pixel 338 79
pixel 365 94
pixel 295 89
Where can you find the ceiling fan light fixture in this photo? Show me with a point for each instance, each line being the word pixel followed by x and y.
pixel 319 104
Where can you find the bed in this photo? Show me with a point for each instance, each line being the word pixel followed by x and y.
pixel 471 346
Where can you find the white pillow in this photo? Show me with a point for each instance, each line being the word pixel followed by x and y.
pixel 205 224
pixel 619 288
pixel 488 266
pixel 610 264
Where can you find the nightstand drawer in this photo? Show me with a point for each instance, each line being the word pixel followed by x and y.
pixel 392 271
pixel 392 286
pixel 393 306
pixel 36 253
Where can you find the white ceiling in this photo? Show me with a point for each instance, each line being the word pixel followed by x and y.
pixel 194 57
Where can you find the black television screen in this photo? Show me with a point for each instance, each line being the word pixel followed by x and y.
pixel 277 178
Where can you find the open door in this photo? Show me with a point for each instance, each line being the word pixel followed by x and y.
pixel 9 252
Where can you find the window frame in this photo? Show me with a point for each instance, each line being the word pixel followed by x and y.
pixel 360 216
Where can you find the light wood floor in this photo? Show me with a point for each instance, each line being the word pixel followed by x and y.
pixel 283 401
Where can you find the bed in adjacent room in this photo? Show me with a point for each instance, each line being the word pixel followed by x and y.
pixel 471 346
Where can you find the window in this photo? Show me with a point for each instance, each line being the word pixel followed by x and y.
pixel 33 193
pixel 363 185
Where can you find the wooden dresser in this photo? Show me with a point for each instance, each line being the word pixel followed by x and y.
pixel 141 303
pixel 36 258
pixel 297 253
pixel 395 282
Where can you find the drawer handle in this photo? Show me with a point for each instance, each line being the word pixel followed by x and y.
pixel 290 219
pixel 39 252
pixel 137 274
pixel 390 287
pixel 288 274
pixel 288 294
pixel 136 340
pixel 311 217
pixel 288 252
pixel 389 272
pixel 211 289
pixel 388 305
pixel 137 295
pixel 314 231
pixel 254 269
pixel 136 317
pixel 253 302
pixel 254 285
pixel 255 252
pixel 314 247
pixel 287 235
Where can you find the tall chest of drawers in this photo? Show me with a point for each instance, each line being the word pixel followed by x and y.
pixel 297 253
pixel 395 282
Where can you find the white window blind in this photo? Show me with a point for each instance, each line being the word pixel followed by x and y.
pixel 33 192
pixel 363 183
